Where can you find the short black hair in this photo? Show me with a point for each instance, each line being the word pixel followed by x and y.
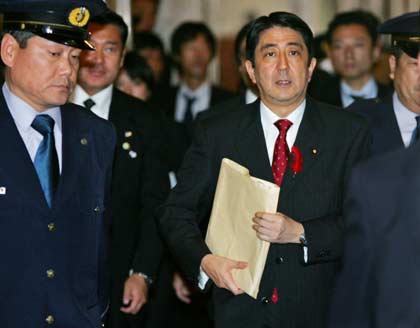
pixel 138 69
pixel 147 40
pixel 21 37
pixel 188 31
pixel 112 18
pixel 277 19
pixel 358 17
pixel 241 36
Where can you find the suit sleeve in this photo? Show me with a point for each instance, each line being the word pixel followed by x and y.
pixel 325 234
pixel 189 203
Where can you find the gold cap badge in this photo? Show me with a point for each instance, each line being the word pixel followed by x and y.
pixel 79 16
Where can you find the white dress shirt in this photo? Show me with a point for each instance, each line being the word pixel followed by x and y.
pixel 250 96
pixel 369 90
pixel 202 97
pixel 102 100
pixel 23 115
pixel 406 119
pixel 271 132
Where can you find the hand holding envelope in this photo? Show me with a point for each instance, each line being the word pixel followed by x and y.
pixel 230 235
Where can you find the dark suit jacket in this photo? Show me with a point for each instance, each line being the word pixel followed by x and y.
pixel 75 247
pixel 139 184
pixel 386 135
pixel 379 285
pixel 232 104
pixel 313 197
pixel 327 89
pixel 180 133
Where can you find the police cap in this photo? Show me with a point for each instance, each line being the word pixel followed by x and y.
pixel 405 32
pixel 61 21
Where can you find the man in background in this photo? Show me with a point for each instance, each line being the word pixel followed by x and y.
pixel 139 181
pixel 353 48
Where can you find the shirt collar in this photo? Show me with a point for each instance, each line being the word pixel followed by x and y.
pixel 198 93
pixel 401 111
pixel 102 99
pixel 250 96
pixel 23 114
pixel 369 90
pixel 268 117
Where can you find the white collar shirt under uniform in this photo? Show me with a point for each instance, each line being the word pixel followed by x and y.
pixel 102 100
pixel 369 90
pixel 406 120
pixel 23 115
pixel 202 97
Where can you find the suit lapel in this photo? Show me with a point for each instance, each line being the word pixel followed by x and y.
pixel 16 163
pixel 308 142
pixel 391 129
pixel 250 143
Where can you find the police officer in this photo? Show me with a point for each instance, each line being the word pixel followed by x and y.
pixel 379 284
pixel 55 170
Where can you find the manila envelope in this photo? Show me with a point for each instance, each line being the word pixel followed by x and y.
pixel 238 197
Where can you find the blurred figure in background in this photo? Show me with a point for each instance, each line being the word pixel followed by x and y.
pixel 144 14
pixel 353 48
pixel 149 46
pixel 136 77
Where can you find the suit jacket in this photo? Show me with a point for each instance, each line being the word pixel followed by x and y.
pixel 386 135
pixel 70 238
pixel 139 184
pixel 331 141
pixel 327 89
pixel 379 284
pixel 180 133
pixel 231 104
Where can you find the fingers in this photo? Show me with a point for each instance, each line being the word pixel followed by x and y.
pixel 219 269
pixel 135 294
pixel 181 289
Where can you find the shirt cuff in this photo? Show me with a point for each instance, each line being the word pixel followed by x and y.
pixel 203 278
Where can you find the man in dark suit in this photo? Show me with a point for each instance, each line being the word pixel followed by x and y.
pixel 139 181
pixel 193 47
pixel 353 48
pixel 395 119
pixel 306 234
pixel 379 280
pixel 55 172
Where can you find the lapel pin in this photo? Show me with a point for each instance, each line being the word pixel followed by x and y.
pixel 314 151
pixel 126 146
pixel 83 141
pixel 2 190
pixel 128 134
pixel 132 154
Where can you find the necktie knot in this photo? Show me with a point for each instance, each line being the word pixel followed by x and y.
pixel 283 125
pixel 188 116
pixel 44 124
pixel 89 103
pixel 357 97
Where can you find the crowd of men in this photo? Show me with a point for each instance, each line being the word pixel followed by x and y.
pixel 108 174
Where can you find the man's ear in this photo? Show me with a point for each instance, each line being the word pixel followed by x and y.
pixel 250 69
pixel 311 68
pixel 377 51
pixel 392 60
pixel 9 50
pixel 122 58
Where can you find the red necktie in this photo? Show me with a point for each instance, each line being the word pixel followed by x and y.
pixel 281 151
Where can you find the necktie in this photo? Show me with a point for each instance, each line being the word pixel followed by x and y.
pixel 416 132
pixel 188 116
pixel 89 103
pixel 46 160
pixel 281 151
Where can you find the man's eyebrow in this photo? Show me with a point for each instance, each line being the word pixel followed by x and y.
pixel 272 45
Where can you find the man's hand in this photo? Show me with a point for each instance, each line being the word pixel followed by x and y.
pixel 135 290
pixel 182 290
pixel 277 228
pixel 219 270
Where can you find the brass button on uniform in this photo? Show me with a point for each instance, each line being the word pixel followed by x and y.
pixel 51 227
pixel 50 273
pixel 49 319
